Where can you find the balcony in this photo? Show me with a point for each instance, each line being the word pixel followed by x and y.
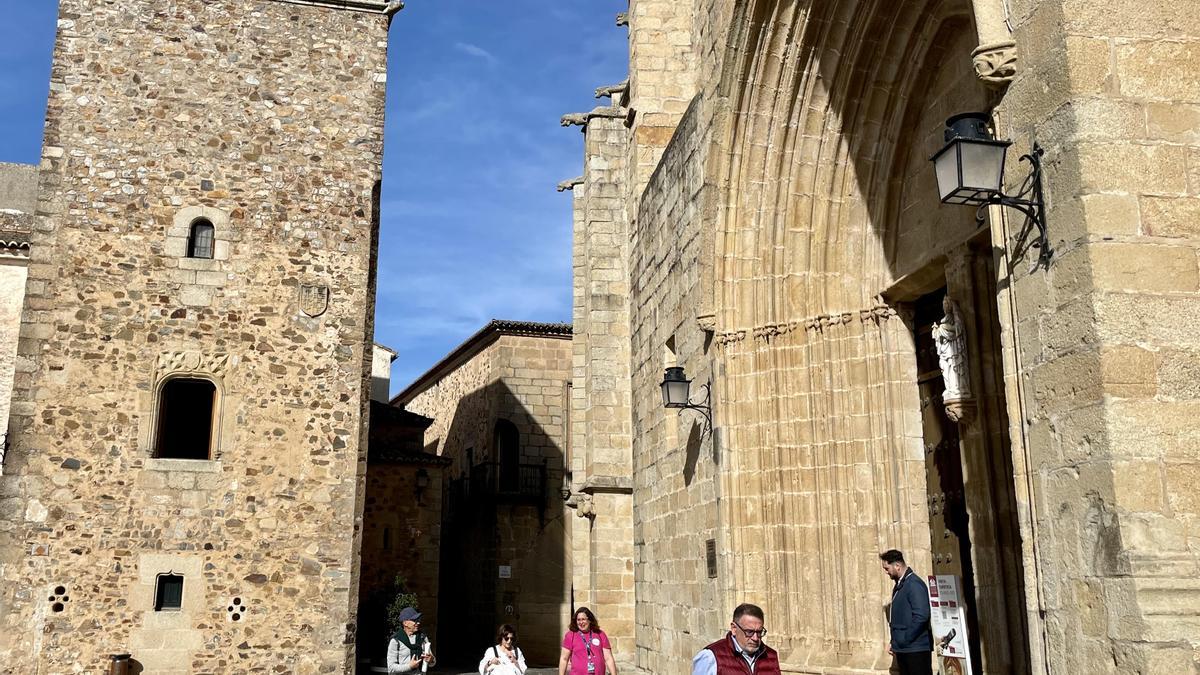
pixel 514 483
pixel 491 483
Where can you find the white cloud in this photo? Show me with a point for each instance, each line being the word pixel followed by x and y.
pixel 476 51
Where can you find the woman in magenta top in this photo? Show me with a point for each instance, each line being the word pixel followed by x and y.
pixel 585 648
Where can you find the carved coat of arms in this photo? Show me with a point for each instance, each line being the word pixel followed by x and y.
pixel 314 299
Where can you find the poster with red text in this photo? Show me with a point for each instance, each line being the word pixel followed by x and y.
pixel 948 621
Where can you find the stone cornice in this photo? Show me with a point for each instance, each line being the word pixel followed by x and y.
pixel 620 485
pixel 388 7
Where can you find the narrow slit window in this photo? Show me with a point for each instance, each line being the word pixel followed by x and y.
pixel 185 419
pixel 168 593
pixel 200 239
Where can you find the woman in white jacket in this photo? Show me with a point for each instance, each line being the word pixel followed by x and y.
pixel 505 658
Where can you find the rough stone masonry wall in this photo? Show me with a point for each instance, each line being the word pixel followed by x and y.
pixel 1103 350
pixel 268 118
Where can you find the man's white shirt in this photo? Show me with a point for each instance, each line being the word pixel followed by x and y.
pixel 705 662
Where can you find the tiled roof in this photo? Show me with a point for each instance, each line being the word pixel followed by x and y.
pixel 484 337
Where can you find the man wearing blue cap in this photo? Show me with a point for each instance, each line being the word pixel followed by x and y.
pixel 409 647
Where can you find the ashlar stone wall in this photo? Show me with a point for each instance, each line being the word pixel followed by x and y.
pixel 1100 344
pixel 520 374
pixel 268 116
pixel 777 250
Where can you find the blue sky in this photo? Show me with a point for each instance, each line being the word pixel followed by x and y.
pixel 472 227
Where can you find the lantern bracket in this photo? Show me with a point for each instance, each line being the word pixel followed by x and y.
pixel 1030 201
pixel 703 406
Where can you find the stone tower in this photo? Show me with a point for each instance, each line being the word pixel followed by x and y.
pixel 187 438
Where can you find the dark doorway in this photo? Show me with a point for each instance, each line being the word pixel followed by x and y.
pixel 970 482
pixel 949 534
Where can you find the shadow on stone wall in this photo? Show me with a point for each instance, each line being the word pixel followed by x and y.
pixel 496 517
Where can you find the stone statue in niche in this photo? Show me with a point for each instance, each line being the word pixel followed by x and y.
pixel 950 337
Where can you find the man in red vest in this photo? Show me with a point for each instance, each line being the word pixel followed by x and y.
pixel 741 651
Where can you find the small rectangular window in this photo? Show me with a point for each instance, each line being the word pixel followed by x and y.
pixel 168 593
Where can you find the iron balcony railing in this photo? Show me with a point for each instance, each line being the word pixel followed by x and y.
pixel 491 483
pixel 512 482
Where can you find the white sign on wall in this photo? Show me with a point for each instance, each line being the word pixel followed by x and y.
pixel 948 620
pixel 506 571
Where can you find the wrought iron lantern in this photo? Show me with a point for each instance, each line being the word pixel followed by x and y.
pixel 676 393
pixel 970 171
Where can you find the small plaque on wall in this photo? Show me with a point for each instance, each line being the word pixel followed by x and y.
pixel 710 556
pixel 506 571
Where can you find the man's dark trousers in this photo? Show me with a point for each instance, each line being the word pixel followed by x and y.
pixel 915 663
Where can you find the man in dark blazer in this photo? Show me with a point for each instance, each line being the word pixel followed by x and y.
pixel 911 641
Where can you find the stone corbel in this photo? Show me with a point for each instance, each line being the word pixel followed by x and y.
pixel 996 56
pixel 583 505
pixel 996 63
pixel 960 410
pixel 569 184
pixel 623 19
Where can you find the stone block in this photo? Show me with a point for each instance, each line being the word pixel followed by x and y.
pixel 1144 267
pixel 1179 374
pixel 214 278
pixel 1182 480
pixel 1170 216
pixel 1126 18
pixel 1159 70
pixel 175 247
pixel 1138 485
pixel 1174 121
pixel 196 296
pixel 1129 168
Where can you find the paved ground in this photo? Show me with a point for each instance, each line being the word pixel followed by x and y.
pixel 455 671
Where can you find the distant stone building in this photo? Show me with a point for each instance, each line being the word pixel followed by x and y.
pixel 18 207
pixel 187 441
pixel 499 409
pixel 758 207
pixel 402 516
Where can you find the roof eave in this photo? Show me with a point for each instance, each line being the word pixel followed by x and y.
pixel 373 6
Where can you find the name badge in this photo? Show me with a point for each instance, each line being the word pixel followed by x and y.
pixel 596 641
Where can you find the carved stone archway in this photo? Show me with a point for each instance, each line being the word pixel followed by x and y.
pixel 822 115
